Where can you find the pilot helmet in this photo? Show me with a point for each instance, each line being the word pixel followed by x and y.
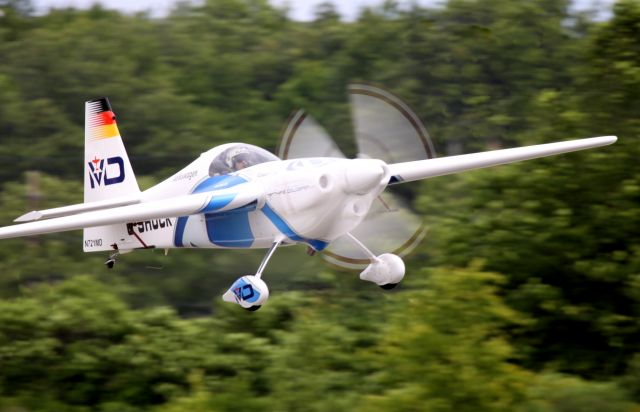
pixel 237 155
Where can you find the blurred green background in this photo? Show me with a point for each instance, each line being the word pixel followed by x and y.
pixel 525 296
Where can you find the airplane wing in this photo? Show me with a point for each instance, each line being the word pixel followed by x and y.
pixel 208 202
pixel 424 169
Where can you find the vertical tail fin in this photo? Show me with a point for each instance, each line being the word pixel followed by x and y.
pixel 108 172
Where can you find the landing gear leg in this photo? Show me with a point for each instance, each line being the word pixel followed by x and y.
pixel 267 257
pixel 112 257
pixel 115 255
pixel 386 270
pixel 373 258
pixel 251 292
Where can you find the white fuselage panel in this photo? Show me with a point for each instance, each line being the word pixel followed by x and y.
pixel 312 201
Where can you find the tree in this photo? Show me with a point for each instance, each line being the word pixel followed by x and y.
pixel 445 348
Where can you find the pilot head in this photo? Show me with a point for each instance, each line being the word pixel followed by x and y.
pixel 238 158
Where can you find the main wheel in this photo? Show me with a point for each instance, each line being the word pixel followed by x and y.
pixel 253 308
pixel 386 271
pixel 250 292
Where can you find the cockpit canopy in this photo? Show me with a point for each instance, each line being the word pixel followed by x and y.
pixel 237 157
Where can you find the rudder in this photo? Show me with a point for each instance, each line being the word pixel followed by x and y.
pixel 108 172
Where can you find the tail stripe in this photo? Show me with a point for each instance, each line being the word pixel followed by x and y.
pixel 100 121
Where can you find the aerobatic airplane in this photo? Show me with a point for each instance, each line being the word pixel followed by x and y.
pixel 241 196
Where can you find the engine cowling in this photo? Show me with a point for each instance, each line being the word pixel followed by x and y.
pixel 388 269
pixel 250 292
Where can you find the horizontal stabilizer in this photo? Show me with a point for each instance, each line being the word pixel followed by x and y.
pixel 424 169
pixel 215 201
pixel 78 208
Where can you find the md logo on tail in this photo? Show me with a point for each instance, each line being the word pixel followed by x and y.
pixel 99 174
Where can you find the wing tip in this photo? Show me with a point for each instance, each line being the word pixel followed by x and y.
pixel 29 217
pixel 607 140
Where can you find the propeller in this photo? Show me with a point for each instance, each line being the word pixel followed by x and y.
pixel 387 129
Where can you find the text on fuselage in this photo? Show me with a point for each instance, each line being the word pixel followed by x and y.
pixel 149 225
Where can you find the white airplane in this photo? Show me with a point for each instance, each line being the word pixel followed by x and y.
pixel 241 196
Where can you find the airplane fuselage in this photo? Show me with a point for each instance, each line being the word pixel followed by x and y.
pixel 312 201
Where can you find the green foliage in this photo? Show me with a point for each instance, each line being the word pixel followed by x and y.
pixel 557 393
pixel 444 350
pixel 565 230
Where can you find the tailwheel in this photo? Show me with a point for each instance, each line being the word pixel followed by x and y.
pixel 112 257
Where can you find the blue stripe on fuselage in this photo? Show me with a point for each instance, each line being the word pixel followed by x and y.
pixel 207 185
pixel 218 202
pixel 229 229
pixel 218 182
pixel 232 228
pixel 288 231
pixel 181 224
